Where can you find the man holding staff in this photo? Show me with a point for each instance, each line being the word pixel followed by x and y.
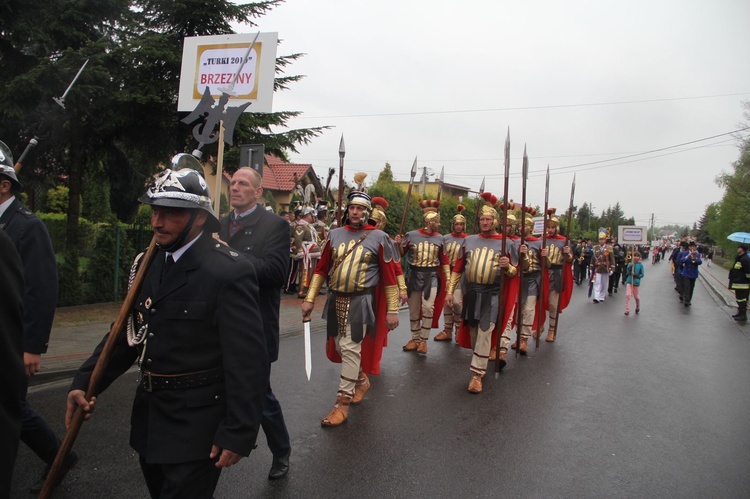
pixel 197 333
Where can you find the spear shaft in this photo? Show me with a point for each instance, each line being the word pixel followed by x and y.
pixel 542 260
pixel 567 243
pixel 408 197
pixel 499 323
pixel 519 305
pixel 342 153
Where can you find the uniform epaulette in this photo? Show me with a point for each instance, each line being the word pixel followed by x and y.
pixel 227 251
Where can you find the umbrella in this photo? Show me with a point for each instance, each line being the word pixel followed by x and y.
pixel 739 237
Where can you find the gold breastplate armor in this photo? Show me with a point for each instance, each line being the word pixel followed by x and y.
pixel 425 254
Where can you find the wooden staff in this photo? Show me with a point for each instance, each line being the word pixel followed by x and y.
pixel 114 334
pixel 500 323
pixel 408 197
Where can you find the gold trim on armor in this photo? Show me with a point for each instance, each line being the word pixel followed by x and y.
pixel 391 298
pixel 425 254
pixel 453 281
pixel 315 284
pixel 402 284
pixel 511 271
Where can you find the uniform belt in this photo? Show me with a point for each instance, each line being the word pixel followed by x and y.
pixel 424 269
pixel 150 381
pixel 355 293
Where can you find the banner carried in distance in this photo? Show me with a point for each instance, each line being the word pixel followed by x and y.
pixel 214 60
pixel 632 234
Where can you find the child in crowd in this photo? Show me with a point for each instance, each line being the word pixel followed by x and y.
pixel 634 272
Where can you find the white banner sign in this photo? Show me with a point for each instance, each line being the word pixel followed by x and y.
pixel 632 234
pixel 538 225
pixel 213 61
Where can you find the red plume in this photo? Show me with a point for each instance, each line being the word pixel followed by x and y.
pixel 380 202
pixel 551 211
pixel 460 208
pixel 489 198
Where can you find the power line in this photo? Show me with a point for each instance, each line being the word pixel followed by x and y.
pixel 523 108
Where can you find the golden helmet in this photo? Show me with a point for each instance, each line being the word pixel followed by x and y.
pixel 430 209
pixel 551 218
pixel 458 217
pixel 488 209
pixel 378 212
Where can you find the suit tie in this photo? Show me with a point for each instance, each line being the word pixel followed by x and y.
pixel 167 265
pixel 234 226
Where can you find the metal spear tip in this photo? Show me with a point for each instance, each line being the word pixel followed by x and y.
pixel 414 168
pixel 342 149
pixel 442 172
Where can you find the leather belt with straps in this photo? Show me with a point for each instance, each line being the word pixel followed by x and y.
pixel 150 381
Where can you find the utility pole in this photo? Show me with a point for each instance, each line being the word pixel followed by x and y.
pixel 653 234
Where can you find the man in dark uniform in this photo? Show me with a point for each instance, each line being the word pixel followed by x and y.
pixel 739 281
pixel 11 358
pixel 263 238
pixel 34 246
pixel 197 333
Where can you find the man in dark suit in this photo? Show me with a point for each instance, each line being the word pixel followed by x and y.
pixel 196 331
pixel 11 358
pixel 263 237
pixel 32 241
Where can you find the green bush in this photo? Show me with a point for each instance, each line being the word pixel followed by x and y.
pixel 57 226
pixel 99 277
pixel 69 279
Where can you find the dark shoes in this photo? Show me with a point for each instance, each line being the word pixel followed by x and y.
pixel 279 466
pixel 637 310
pixel 596 301
pixel 70 461
pixel 741 318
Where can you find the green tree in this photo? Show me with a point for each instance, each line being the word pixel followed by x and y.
pixel 731 212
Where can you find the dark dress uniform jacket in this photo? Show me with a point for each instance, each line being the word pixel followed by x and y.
pixel 34 246
pixel 11 358
pixel 263 238
pixel 204 315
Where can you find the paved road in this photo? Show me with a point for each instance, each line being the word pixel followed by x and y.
pixel 648 405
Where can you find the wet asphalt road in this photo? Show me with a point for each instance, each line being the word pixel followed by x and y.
pixel 649 405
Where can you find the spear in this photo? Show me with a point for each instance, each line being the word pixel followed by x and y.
pixel 540 311
pixel 342 153
pixel 481 191
pixel 567 243
pixel 408 196
pixel 500 324
pixel 519 311
pixel 34 141
pixel 440 183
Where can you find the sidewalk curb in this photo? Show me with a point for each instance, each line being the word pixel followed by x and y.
pixel 716 290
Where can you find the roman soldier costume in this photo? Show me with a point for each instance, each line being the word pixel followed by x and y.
pixel 306 249
pixel 558 287
pixel 531 280
pixel 452 243
pixel 481 262
pixel 426 276
pixel 359 264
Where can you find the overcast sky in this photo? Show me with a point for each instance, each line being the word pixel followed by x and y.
pixel 577 82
